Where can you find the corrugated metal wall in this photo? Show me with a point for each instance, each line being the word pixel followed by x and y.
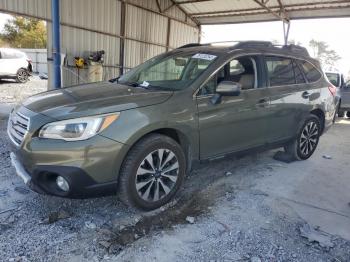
pixel 92 25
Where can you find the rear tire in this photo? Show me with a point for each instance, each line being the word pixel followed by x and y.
pixel 22 76
pixel 152 172
pixel 305 143
pixel 348 114
pixel 341 113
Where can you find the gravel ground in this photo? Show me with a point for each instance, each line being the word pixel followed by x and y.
pixel 12 92
pixel 232 221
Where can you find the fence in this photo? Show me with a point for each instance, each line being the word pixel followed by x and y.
pixel 39 59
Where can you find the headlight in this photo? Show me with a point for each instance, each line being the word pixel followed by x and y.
pixel 77 129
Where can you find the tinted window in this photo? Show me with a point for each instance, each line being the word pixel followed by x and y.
pixel 280 71
pixel 311 73
pixel 241 70
pixel 299 77
pixel 334 78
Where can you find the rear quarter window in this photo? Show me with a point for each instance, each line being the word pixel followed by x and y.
pixel 311 72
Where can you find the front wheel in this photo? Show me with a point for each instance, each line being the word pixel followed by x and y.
pixel 22 76
pixel 306 140
pixel 152 172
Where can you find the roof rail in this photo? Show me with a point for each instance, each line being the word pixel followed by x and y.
pixel 296 49
pixel 190 45
pixel 253 44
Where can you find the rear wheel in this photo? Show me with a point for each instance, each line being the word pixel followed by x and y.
pixel 22 76
pixel 306 141
pixel 348 114
pixel 341 113
pixel 152 172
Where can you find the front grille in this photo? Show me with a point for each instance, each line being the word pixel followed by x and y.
pixel 17 127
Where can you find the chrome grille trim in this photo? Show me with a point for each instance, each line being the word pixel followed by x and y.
pixel 17 127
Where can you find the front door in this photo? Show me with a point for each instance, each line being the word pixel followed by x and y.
pixel 237 122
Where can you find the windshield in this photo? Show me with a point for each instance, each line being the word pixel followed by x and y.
pixel 173 72
pixel 333 78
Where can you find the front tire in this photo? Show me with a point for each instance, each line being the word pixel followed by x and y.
pixel 22 76
pixel 305 143
pixel 152 172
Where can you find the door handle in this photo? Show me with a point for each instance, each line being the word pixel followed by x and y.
pixel 263 102
pixel 306 94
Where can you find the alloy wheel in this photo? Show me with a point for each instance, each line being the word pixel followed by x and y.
pixel 22 76
pixel 309 138
pixel 157 175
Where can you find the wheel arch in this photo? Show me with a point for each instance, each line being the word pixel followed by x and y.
pixel 179 136
pixel 321 116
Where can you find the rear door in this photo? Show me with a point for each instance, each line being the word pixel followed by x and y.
pixel 286 85
pixel 237 122
pixel 292 95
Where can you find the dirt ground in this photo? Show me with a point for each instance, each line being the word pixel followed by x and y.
pixel 248 209
pixel 12 92
pixel 252 208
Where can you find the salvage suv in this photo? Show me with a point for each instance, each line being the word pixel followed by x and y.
pixel 139 135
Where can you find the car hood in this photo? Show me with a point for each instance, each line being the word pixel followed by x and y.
pixel 93 99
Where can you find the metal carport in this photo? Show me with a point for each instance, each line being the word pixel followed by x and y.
pixel 131 31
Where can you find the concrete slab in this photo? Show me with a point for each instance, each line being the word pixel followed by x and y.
pixel 319 189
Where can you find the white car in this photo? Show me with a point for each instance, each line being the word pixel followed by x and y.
pixel 14 64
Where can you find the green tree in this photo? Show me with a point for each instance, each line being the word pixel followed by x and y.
pixel 21 32
pixel 327 57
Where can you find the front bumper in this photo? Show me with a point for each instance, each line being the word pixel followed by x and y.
pixel 90 166
pixel 81 184
pixel 20 171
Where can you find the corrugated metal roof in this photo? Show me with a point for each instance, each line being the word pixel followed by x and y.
pixel 239 11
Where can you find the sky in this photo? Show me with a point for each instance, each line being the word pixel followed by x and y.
pixel 334 31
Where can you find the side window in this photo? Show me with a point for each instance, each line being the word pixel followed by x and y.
pixel 241 70
pixel 280 71
pixel 299 77
pixel 311 73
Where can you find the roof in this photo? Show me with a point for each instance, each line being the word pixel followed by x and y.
pixel 244 11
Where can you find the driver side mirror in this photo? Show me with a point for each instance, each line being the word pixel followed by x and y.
pixel 226 88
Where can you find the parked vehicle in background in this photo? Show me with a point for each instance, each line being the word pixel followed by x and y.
pixel 343 92
pixel 138 135
pixel 14 64
pixel 345 100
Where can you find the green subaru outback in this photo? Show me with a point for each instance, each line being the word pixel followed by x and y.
pixel 140 134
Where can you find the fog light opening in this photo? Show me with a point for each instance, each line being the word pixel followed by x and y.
pixel 62 184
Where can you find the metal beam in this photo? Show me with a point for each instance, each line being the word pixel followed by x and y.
pixel 122 40
pixel 158 5
pixel 185 12
pixel 56 43
pixel 263 5
pixel 283 10
pixel 286 27
pixel 169 7
pixel 249 12
pixel 192 2
pixel 168 34
pixel 274 7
